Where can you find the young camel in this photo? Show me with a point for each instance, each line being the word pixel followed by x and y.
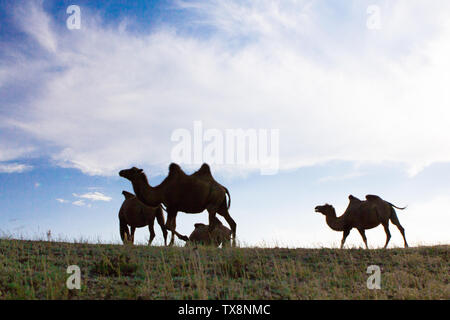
pixel 363 215
pixel 181 192
pixel 135 214
pixel 201 235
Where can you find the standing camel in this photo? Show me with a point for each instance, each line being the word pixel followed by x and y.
pixel 181 192
pixel 135 214
pixel 363 215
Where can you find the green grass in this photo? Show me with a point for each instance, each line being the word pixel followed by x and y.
pixel 37 270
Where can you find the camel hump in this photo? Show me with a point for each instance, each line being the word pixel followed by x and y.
pixel 372 197
pixel 128 195
pixel 175 169
pixel 204 169
pixel 353 198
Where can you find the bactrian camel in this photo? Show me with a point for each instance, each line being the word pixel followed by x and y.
pixel 135 214
pixel 363 215
pixel 181 192
pixel 219 235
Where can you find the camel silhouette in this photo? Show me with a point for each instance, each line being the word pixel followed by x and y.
pixel 219 235
pixel 363 215
pixel 181 192
pixel 135 214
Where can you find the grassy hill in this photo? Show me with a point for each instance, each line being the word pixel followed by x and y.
pixel 37 270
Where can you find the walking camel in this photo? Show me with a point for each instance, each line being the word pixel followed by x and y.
pixel 363 215
pixel 191 194
pixel 135 214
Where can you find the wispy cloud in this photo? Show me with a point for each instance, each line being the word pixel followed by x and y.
pixel 335 90
pixel 79 203
pixel 93 196
pixel 37 24
pixel 95 188
pixel 10 152
pixel 90 196
pixel 14 167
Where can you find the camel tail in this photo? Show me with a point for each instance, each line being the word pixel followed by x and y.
pixel 397 207
pixel 124 231
pixel 229 198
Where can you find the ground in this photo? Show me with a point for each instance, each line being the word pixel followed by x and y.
pixel 38 270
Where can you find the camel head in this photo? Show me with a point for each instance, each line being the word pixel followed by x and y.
pixel 131 174
pixel 326 209
pixel 128 195
pixel 216 222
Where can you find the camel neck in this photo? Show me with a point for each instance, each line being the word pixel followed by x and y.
pixel 146 193
pixel 335 223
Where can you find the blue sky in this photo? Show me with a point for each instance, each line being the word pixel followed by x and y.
pixel 359 111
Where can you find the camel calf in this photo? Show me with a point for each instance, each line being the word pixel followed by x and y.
pixel 219 235
pixel 135 214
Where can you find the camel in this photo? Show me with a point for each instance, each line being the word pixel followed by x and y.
pixel 201 235
pixel 363 215
pixel 191 194
pixel 135 214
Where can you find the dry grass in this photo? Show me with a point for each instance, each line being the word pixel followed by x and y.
pixel 37 270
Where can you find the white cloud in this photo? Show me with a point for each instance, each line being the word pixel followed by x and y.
pixel 14 167
pixel 37 24
pixel 93 196
pixel 79 203
pixel 8 152
pixel 335 90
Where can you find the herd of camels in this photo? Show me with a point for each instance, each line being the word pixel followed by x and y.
pixel 199 191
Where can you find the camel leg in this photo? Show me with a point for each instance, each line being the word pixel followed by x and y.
pixel 345 235
pixel 223 211
pixel 133 229
pixel 160 220
pixel 388 234
pixel 124 232
pixel 395 221
pixel 173 238
pixel 152 230
pixel 211 225
pixel 362 232
pixel 211 220
pixel 171 225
